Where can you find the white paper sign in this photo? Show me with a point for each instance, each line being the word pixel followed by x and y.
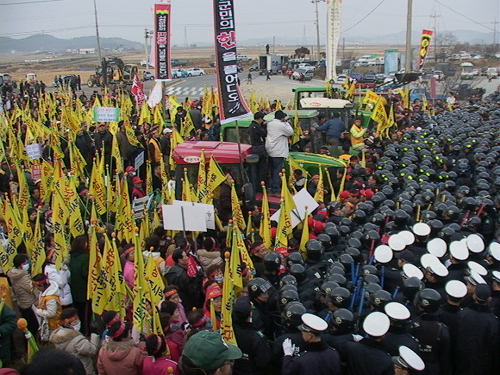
pixel 301 199
pixel 183 218
pixel 105 114
pixel 34 151
pixel 207 208
pixel 139 160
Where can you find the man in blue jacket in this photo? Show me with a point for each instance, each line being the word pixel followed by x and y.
pixel 333 128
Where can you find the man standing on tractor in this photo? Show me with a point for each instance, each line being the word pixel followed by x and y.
pixel 333 129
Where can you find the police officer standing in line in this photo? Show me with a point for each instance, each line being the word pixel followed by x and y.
pixel 317 357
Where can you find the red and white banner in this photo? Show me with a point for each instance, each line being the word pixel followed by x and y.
pixel 137 90
pixel 424 47
pixel 161 41
pixel 232 105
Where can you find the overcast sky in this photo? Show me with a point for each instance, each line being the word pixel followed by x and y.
pixel 192 20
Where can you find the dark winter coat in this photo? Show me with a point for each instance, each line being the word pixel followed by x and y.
pixel 257 353
pixel 79 269
pixel 317 358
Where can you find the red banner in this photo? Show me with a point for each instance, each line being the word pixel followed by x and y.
pixel 161 41
pixel 232 104
pixel 424 47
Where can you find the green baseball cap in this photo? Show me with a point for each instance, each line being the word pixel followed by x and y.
pixel 207 350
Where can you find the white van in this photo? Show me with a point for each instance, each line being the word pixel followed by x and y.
pixel 491 73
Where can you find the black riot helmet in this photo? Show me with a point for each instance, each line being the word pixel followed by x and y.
pixel 294 258
pixel 314 249
pixel 288 280
pixel 338 278
pixel 327 287
pixel 324 239
pixel 258 286
pixel 428 300
pixel 411 287
pixel 379 299
pixel 292 313
pixel 288 296
pixel 272 261
pixel 333 232
pixel 342 320
pixel 299 272
pixel 339 297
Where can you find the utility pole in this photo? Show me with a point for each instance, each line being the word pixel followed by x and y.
pixel 317 27
pixel 409 58
pixel 495 36
pixel 147 34
pixel 435 36
pixel 97 33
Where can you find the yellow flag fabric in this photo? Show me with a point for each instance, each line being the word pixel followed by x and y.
pixel 319 196
pixel 237 245
pixel 156 284
pixel 188 194
pixel 265 222
pixel 284 229
pixel 124 221
pixel 305 236
pixel 236 209
pixel 14 233
pixel 140 290
pixel 201 182
pixel 226 324
pixel 111 269
pixel 38 251
pixel 215 177
pixel 72 200
pixel 97 187
pixel 115 153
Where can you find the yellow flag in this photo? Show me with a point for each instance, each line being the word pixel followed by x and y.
pixel 284 229
pixel 38 250
pixel 319 196
pixel 201 182
pixel 165 194
pixel 174 141
pixel 235 260
pixel 97 186
pixel 297 130
pixel 124 221
pixel 188 194
pixel 149 178
pixel 115 152
pixel 236 209
pixel 22 199
pixel 156 284
pixel 226 324
pixel 14 233
pixel 129 132
pixel 215 177
pixel 144 115
pixel 59 227
pixel 265 223
pixel 305 235
pixel 110 263
pixel 72 200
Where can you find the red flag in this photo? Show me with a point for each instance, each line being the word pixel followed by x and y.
pixel 137 90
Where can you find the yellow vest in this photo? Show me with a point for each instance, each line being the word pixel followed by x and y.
pixel 54 321
pixel 156 151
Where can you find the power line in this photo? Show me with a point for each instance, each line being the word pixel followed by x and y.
pixel 362 19
pixel 463 15
pixel 31 2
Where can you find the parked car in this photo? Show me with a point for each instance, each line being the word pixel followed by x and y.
pixel 340 79
pixel 308 74
pixel 438 74
pixel 191 72
pixel 147 76
pixel 179 73
pixel 254 67
pixel 242 58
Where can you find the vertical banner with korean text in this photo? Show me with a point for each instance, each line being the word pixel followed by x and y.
pixel 424 47
pixel 161 41
pixel 232 104
pixel 332 37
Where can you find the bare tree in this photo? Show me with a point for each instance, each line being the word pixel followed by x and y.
pixel 446 42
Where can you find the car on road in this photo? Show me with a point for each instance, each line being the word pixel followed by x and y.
pixel 242 58
pixel 308 74
pixel 438 74
pixel 192 72
pixel 147 76
pixel 66 79
pixel 254 67
pixel 179 73
pixel 340 79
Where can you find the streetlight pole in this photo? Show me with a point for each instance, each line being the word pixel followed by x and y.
pixel 317 29
pixel 409 57
pixel 97 33
pixel 147 34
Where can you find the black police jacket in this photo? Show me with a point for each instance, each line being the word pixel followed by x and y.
pixel 256 350
pixel 317 358
pixel 478 341
pixel 366 357
pixel 396 337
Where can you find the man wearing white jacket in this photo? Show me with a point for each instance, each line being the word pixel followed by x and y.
pixel 278 131
pixel 48 307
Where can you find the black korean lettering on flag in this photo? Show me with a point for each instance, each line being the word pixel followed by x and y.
pixel 161 41
pixel 232 105
pixel 424 47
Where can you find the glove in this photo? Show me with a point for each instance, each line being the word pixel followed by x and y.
pixel 288 347
pixel 357 338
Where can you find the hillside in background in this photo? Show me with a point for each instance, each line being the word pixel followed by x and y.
pixel 49 43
